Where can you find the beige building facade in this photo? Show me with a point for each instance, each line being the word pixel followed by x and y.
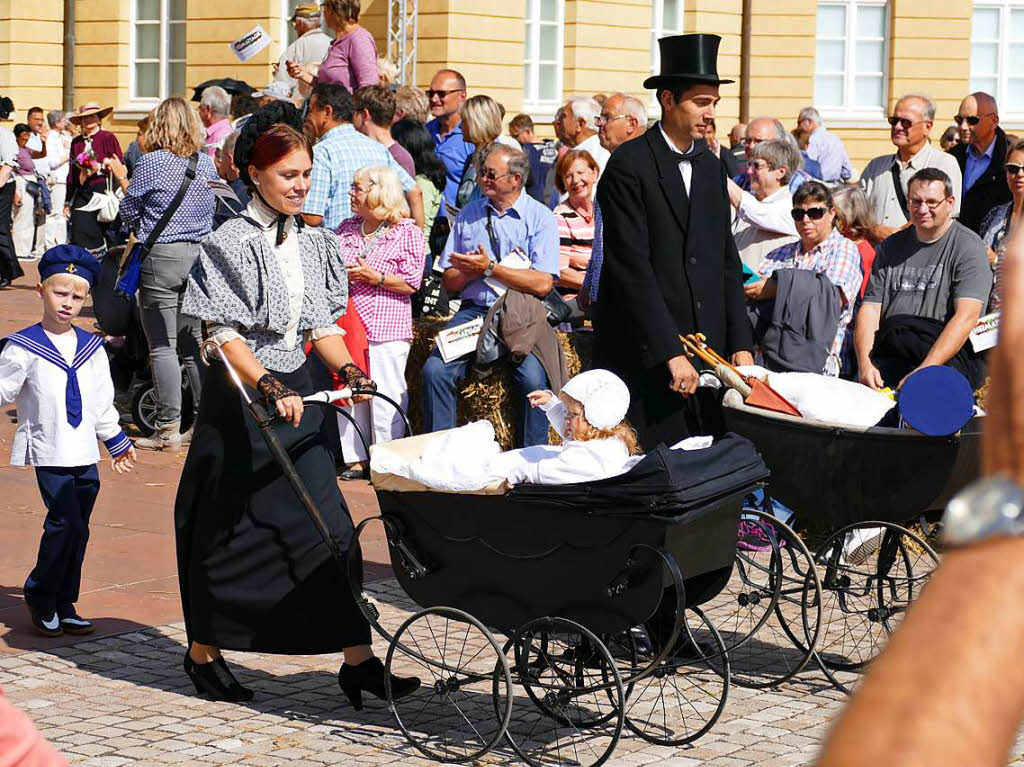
pixel 850 58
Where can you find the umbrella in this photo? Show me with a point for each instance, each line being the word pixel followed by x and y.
pixel 229 84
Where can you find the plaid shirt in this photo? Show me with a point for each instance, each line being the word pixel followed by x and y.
pixel 839 260
pixel 399 252
pixel 336 157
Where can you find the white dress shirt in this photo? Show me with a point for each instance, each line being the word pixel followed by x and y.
pixel 685 168
pixel 763 225
pixel 35 143
pixel 44 437
pixel 58 153
pixel 8 151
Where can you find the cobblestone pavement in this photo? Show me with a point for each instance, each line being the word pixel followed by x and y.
pixel 124 700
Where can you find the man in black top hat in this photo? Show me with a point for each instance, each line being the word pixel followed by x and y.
pixel 670 264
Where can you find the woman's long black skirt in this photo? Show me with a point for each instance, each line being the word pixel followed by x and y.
pixel 254 572
pixel 85 227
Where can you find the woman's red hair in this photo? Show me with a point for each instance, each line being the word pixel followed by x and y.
pixel 275 144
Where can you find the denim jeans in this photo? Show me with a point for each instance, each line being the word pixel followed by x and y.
pixel 162 281
pixel 440 379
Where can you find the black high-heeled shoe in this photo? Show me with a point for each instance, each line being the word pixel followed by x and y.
pixel 369 676
pixel 216 680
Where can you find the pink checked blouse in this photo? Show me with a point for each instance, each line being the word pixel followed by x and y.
pixel 400 251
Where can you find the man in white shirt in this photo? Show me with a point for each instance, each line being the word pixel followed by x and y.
pixel 579 126
pixel 911 121
pixel 36 120
pixel 310 47
pixel 58 153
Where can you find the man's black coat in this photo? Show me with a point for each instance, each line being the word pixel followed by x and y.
pixel 989 190
pixel 670 267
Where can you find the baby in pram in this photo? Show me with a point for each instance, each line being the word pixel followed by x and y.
pixel 588 414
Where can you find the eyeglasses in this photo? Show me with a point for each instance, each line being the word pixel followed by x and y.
pixel 914 203
pixel 748 141
pixel 815 214
pixel 489 175
pixel 442 94
pixel 903 122
pixel 1013 168
pixel 354 188
pixel 605 119
pixel 758 166
pixel 971 120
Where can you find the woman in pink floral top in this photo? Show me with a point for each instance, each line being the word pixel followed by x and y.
pixel 384 251
pixel 351 59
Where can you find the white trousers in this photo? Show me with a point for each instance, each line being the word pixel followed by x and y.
pixel 377 419
pixel 56 224
pixel 23 226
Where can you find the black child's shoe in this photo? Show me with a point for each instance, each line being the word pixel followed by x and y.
pixel 47 624
pixel 73 623
pixel 369 676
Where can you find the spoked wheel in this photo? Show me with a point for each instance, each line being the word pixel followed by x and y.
pixel 686 693
pixel 464 702
pixel 570 678
pixel 871 572
pixel 760 611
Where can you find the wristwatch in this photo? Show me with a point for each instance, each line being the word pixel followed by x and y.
pixel 986 508
pixel 490 268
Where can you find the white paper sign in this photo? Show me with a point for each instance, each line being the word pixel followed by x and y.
pixel 251 43
pixel 986 333
pixel 460 340
pixel 514 260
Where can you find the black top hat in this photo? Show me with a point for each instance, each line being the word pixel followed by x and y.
pixel 688 58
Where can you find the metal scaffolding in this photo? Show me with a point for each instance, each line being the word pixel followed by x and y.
pixel 402 31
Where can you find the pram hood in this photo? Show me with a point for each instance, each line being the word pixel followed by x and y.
pixel 665 482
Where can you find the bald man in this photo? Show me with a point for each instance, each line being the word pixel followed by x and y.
pixel 981 155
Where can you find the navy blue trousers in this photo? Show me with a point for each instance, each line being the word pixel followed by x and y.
pixel 69 493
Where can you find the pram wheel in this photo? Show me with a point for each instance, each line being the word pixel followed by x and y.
pixel 684 695
pixel 570 676
pixel 759 613
pixel 464 702
pixel 872 571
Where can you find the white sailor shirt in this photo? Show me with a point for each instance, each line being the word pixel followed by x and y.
pixel 38 386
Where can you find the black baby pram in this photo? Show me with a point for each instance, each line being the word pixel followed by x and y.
pixel 595 587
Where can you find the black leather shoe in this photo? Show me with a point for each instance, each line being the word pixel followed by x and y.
pixel 216 680
pixel 45 623
pixel 349 474
pixel 4 282
pixel 369 676
pixel 73 623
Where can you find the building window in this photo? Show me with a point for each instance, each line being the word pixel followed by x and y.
pixel 666 19
pixel 542 69
pixel 997 39
pixel 851 58
pixel 158 49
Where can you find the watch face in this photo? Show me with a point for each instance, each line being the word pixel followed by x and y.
pixel 988 507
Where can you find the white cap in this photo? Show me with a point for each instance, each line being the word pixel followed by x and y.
pixel 604 397
pixel 277 89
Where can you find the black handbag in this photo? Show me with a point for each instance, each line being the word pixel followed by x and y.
pixel 114 296
pixel 558 310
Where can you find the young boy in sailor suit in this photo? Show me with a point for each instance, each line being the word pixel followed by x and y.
pixel 59 377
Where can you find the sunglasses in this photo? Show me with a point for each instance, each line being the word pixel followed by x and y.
pixel 490 175
pixel 903 122
pixel 1013 168
pixel 442 94
pixel 815 214
pixel 971 120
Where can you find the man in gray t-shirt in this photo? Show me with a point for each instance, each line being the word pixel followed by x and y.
pixel 928 286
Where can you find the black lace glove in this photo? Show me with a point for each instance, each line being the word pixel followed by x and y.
pixel 355 378
pixel 273 390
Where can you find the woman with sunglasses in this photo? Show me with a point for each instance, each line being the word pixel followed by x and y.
pixel 822 249
pixel 995 227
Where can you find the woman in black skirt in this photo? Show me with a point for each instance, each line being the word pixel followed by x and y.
pixel 254 572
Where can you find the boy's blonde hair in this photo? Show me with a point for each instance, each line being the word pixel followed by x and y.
pixel 74 279
pixel 622 430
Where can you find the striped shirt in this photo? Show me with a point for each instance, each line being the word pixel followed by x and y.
pixel 839 260
pixel 576 238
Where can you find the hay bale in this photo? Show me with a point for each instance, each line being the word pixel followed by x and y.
pixel 490 399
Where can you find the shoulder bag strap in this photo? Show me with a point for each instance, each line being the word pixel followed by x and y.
pixel 898 186
pixel 165 219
